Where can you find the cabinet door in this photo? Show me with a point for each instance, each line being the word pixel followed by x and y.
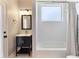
pixel 19 41
pixel 27 41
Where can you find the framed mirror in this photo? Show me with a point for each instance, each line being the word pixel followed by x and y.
pixel 26 23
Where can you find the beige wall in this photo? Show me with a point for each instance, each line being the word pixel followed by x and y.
pixel 23 13
pixel 14 23
pixel 24 4
pixel 12 18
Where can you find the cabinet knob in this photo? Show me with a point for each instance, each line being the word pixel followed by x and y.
pixel 5 36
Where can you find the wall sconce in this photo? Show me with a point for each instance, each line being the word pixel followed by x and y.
pixel 28 10
pixel 25 11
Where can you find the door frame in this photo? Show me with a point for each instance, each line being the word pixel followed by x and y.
pixel 5 27
pixel 33 28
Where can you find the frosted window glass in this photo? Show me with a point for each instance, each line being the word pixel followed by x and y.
pixel 51 14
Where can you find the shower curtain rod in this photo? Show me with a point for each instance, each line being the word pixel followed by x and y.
pixel 59 1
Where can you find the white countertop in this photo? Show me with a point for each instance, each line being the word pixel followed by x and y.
pixel 23 34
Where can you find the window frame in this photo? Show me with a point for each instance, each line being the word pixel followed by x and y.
pixel 46 4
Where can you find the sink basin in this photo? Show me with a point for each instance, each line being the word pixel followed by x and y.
pixel 23 34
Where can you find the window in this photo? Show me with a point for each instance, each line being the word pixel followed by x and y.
pixel 51 13
pixel 51 25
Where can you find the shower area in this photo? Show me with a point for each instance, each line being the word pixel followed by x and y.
pixel 56 29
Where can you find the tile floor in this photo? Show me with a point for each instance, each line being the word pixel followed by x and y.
pixel 13 55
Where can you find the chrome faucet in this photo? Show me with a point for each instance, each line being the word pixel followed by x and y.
pixel 26 31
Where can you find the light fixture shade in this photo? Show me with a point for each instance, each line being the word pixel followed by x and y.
pixel 25 11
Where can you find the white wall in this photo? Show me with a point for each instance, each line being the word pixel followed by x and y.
pixel 12 19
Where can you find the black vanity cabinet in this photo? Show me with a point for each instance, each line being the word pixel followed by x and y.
pixel 23 44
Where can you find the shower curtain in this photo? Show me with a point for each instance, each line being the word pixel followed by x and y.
pixel 73 28
pixel 72 33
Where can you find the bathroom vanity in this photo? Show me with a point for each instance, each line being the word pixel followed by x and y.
pixel 23 43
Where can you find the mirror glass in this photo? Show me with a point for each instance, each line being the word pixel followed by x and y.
pixel 26 22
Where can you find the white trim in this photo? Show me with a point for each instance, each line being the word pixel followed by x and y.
pixel 51 49
pixel 75 1
pixel 5 40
